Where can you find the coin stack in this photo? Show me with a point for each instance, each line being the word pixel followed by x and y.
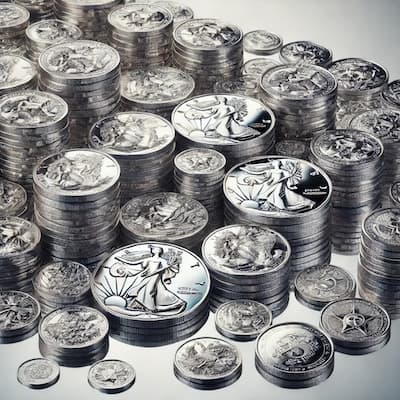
pixel 303 98
pixel 248 262
pixel 13 21
pixel 89 15
pixel 33 125
pixel 165 217
pixel 46 33
pixel 394 194
pixel 157 90
pixel 237 126
pixel 142 34
pixel 199 174
pixel 293 148
pixel 246 85
pixel 354 161
pixel 360 86
pixel 17 73
pixel 391 95
pixel 20 253
pixel 74 336
pixel 61 284
pixel 86 74
pixel 180 12
pixel 13 200
pixel 152 293
pixel 378 271
pixel 144 146
pixel 209 50
pixel 305 52
pixel 288 195
pixel 38 9
pixel 278 360
pixel 76 199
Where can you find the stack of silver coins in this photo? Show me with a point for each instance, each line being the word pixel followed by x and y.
pixel 237 126
pixel 164 217
pixel 152 293
pixel 38 9
pixel 378 271
pixel 246 85
pixel 394 194
pixel 288 195
pixel 74 336
pixel 208 49
pixel 305 52
pixel 33 125
pixel 13 200
pixel 142 34
pixel 199 173
pixel 144 146
pixel 248 262
pixel 354 161
pixel 17 73
pixel 391 95
pixel 360 85
pixel 89 15
pixel 20 253
pixel 303 98
pixel 262 43
pixel 13 21
pixel 157 90
pixel 76 200
pixel 293 148
pixel 258 66
pixel 61 284
pixel 86 75
pixel 180 12
pixel 46 33
pixel 285 368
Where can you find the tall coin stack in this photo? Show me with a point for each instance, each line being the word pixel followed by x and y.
pixel 209 50
pixel 33 125
pixel 360 85
pixel 303 98
pixel 38 9
pixel 378 264
pixel 288 195
pixel 86 74
pixel 354 161
pixel 142 34
pixel 13 200
pixel 76 198
pixel 305 52
pixel 199 174
pixel 391 95
pixel 248 262
pixel 144 146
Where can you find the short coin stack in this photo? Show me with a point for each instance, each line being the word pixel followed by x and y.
pixel 391 95
pixel 77 196
pixel 288 195
pixel 208 49
pixel 13 200
pixel 378 265
pixel 17 73
pixel 199 173
pixel 303 98
pixel 86 74
pixel 246 85
pixel 248 262
pixel 153 293
pixel 354 161
pixel 144 146
pixel 262 43
pixel 38 9
pixel 305 52
pixel 142 34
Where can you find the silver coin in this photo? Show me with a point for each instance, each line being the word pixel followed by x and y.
pixel 391 94
pixel 395 194
pixel 38 373
pixel 304 51
pixel 247 85
pixel 13 18
pixel 198 162
pixel 13 199
pixel 261 42
pixel 257 66
pixel 292 148
pixel 52 31
pixel 16 73
pixel 180 12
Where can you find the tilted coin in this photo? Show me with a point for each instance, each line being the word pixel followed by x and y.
pixel 38 373
pixel 261 42
pixel 304 51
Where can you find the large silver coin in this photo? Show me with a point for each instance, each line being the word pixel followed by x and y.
pixel 38 373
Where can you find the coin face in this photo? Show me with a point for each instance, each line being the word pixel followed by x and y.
pixel 12 15
pixel 180 12
pixel 111 376
pixel 15 71
pixel 200 161
pixel 395 193
pixel 262 42
pixel 383 226
pixel 38 373
pixel 13 198
pixel 305 51
pixel 392 93
pixel 52 31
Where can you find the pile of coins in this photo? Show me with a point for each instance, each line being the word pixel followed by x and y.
pixel 248 262
pixel 152 293
pixel 76 199
pixel 378 271
pixel 237 126
pixel 303 98
pixel 74 336
pixel 144 146
pixel 360 86
pixel 246 85
pixel 391 95
pixel 13 200
pixel 164 217
pixel 157 90
pixel 33 125
pixel 209 50
pixel 46 33
pixel 354 161
pixel 142 34
pixel 86 75
pixel 284 367
pixel 17 73
pixel 305 52
pixel 61 284
pixel 13 21
pixel 20 253
pixel 288 195
pixel 38 9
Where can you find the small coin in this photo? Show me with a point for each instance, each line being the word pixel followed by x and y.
pixel 261 42
pixel 38 373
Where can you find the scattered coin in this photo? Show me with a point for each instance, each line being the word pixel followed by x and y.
pixel 38 373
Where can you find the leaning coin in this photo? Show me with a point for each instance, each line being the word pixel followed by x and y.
pixel 39 373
